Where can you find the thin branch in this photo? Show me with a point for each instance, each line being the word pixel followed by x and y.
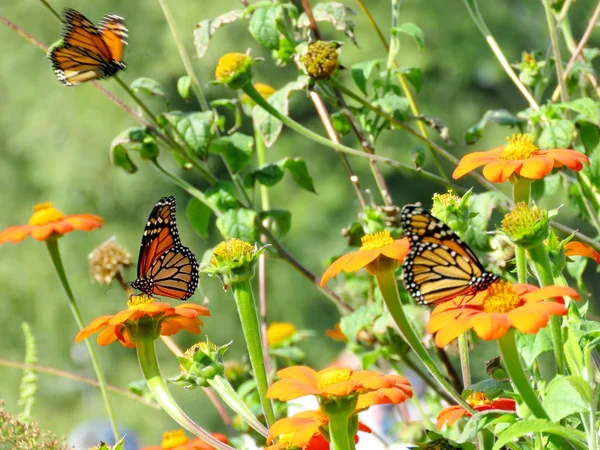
pixel 556 50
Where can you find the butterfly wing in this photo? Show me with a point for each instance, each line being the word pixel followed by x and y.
pixel 175 273
pixel 440 266
pixel 88 53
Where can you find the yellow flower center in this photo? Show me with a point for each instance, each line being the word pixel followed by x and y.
pixel 447 199
pixel 334 376
pixel 139 300
pixel 45 213
pixel 279 332
pixel 500 298
pixel 286 439
pixel 233 250
pixel 478 399
pixel 172 439
pixel 376 240
pixel 522 219
pixel 264 89
pixel 230 63
pixel 520 146
pixel 320 60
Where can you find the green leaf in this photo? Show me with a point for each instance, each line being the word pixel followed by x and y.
pixel 566 396
pixel 299 171
pixel 527 427
pixel 238 223
pixel 222 196
pixel 341 123
pixel 269 126
pixel 149 87
pixel 236 149
pixel 120 158
pixel 589 134
pixel 362 318
pixel 263 27
pixel 414 75
pixel 532 345
pixel 586 107
pixel 490 387
pixel 574 355
pixel 198 214
pixel 280 223
pixel 394 105
pixel 205 30
pixel 196 129
pixel 361 73
pixel 184 86
pixel 417 154
pixel 558 135
pixel 499 116
pixel 267 175
pixel 414 31
pixel 333 12
pixel 149 150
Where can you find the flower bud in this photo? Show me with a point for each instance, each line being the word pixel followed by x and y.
pixel 233 261
pixel 234 70
pixel 526 226
pixel 201 362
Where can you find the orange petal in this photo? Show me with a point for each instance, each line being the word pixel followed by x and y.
pixel 573 248
pixel 573 159
pixel 551 292
pixel 125 315
pixel 62 227
pixel 41 232
pixel 360 259
pixel 107 336
pixel 299 373
pixel 439 320
pixel 501 170
pixel 472 161
pixel 335 268
pixel 398 250
pixel 15 234
pixel 84 222
pixel 528 318
pixel 172 326
pixel 95 325
pixel 490 326
pixel 454 329
pixel 450 414
pixel 536 168
pixel 199 310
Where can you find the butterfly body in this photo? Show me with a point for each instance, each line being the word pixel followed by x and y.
pixel 89 52
pixel 440 266
pixel 165 266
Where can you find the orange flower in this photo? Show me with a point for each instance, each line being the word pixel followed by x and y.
pixel 298 381
pixel 376 248
pixel 177 440
pixel 575 248
pixel 47 221
pixel 492 312
pixel 144 317
pixel 303 431
pixel 479 402
pixel 336 333
pixel 520 156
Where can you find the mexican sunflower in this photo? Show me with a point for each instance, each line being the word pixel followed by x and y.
pixel 299 381
pixel 377 250
pixel 303 431
pixel 479 402
pixel 177 440
pixel 574 248
pixel 522 157
pixel 144 319
pixel 492 312
pixel 47 221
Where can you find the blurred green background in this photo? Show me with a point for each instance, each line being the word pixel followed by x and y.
pixel 54 146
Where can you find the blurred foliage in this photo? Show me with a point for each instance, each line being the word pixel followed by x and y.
pixel 55 146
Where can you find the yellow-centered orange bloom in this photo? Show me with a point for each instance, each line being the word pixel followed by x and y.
pixel 522 157
pixel 491 313
pixel 298 381
pixel 144 319
pixel 47 221
pixel 303 430
pixel 574 248
pixel 479 402
pixel 177 440
pixel 377 251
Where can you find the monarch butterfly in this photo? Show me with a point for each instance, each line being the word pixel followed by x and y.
pixel 165 266
pixel 439 266
pixel 89 52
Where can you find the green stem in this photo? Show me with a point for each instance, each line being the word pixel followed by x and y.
pixel 338 431
pixel 521 193
pixel 389 291
pixel 244 299
pixel 556 49
pixel 187 187
pixel 512 362
pixel 463 350
pixel 149 366
pixel 259 100
pixel 233 400
pixel 261 156
pixel 541 262
pixel 52 245
pixel 52 10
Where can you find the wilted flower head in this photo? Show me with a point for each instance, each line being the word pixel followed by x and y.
pixel 107 260
pixel 320 59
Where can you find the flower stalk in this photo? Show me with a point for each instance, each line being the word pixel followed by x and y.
pixel 149 365
pixel 53 250
pixel 244 299
pixel 338 431
pixel 521 193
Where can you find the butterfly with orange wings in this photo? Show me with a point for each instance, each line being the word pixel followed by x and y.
pixel 165 266
pixel 89 52
pixel 439 266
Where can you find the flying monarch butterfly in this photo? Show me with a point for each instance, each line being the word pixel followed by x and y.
pixel 165 266
pixel 439 266
pixel 89 52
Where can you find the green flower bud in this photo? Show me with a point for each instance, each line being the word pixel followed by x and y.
pixel 319 59
pixel 526 226
pixel 452 210
pixel 201 362
pixel 439 444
